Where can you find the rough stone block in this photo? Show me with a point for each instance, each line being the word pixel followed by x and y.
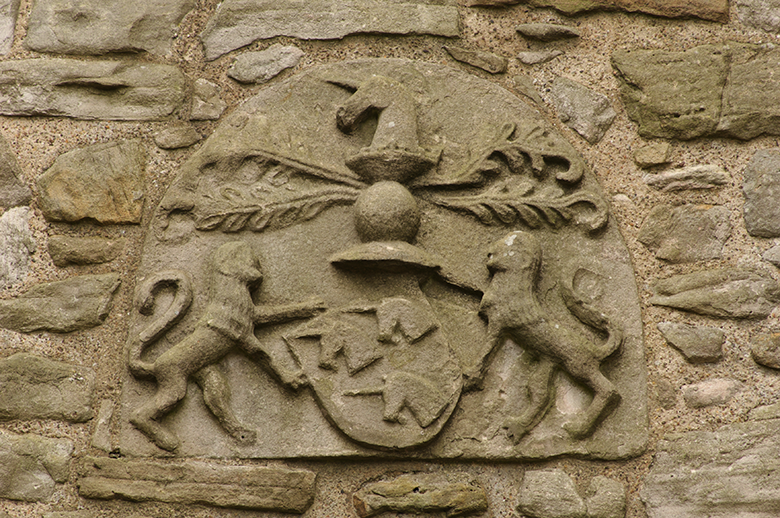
pixel 13 191
pixel 606 498
pixel 587 112
pixel 687 178
pixel 550 494
pixel 697 343
pixel 761 14
pixel 711 392
pixel 62 306
pixel 104 182
pixel 37 388
pixel 653 154
pixel 110 90
pixel 177 136
pixel 206 102
pixel 716 10
pixel 686 233
pixel 31 464
pixel 761 188
pixel 547 31
pixel 485 60
pixel 65 250
pixel 16 246
pixel 194 482
pixel 260 67
pixel 9 9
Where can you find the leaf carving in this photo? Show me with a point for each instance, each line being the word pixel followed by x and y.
pixel 260 215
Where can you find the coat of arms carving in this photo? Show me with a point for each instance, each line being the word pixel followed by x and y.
pixel 385 258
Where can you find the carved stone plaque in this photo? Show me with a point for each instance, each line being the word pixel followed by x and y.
pixel 384 258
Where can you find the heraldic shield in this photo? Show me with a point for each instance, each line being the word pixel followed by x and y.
pixel 384 258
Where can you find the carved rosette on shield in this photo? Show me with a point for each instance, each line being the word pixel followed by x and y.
pixel 385 258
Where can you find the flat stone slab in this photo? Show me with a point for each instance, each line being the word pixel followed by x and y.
pixel 761 188
pixel 103 26
pixel 712 90
pixel 686 233
pixel 194 482
pixel 104 182
pixel 238 23
pixel 485 60
pixel 16 245
pixel 550 494
pixel 108 90
pixel 9 9
pixel 761 14
pixel 30 465
pixel 587 112
pixel 38 388
pixel 13 192
pixel 262 66
pixel 729 472
pixel 206 101
pixel 720 293
pixel 65 250
pixel 61 307
pixel 716 10
pixel 456 494
pixel 537 57
pixel 717 391
pixel 652 155
pixel 706 176
pixel 765 348
pixel 177 136
pixel 698 344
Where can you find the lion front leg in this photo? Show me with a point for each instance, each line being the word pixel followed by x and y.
pixel 293 378
pixel 216 395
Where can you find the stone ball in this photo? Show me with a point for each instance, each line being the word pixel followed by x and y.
pixel 387 211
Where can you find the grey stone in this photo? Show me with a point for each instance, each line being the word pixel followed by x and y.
pixel 13 192
pixel 16 246
pixel 31 464
pixel 110 90
pixel 101 435
pixel 653 154
pixel 772 255
pixel 711 392
pixel 761 188
pixel 540 56
pixel 697 343
pixel 720 293
pixel 477 58
pixel 712 90
pixel 524 85
pixel 206 102
pixel 687 178
pixel 765 348
pixel 547 31
pixel 262 66
pixel 240 22
pixel 673 94
pixel 686 233
pixel 665 394
pixel 65 250
pixel 716 10
pixel 104 182
pixel 62 306
pixel 606 498
pixel 452 493
pixel 102 26
pixel 197 482
pixel 764 412
pixel 38 388
pixel 549 494
pixel 761 14
pixel 731 472
pixel 9 9
pixel 587 112
pixel 177 136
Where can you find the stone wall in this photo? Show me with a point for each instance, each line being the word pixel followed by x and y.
pixel 146 145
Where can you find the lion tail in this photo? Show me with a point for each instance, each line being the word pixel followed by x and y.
pixel 181 282
pixel 594 318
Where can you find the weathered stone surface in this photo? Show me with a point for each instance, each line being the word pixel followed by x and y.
pixel 16 245
pixel 177 136
pixel 195 482
pixel 65 250
pixel 717 10
pixel 477 58
pixel 13 191
pixel 102 26
pixel 761 188
pixel 104 182
pixel 723 474
pixel 549 494
pixel 720 293
pixel 101 435
pixel 9 9
pixel 711 392
pixel 765 348
pixel 606 498
pixel 692 177
pixel 38 388
pixel 711 90
pixel 587 112
pixel 206 102
pixel 31 464
pixel 772 255
pixel 686 233
pixel 475 3
pixel 454 494
pixel 653 154
pixel 665 394
pixel 262 66
pixel 539 56
pixel 673 94
pixel 110 90
pixel 761 14
pixel 240 22
pixel 524 85
pixel 63 306
pixel 547 31
pixel 697 343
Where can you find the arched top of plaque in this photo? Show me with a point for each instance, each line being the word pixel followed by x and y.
pixel 365 248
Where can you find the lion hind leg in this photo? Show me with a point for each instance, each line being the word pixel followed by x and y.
pixel 540 391
pixel 605 399
pixel 216 395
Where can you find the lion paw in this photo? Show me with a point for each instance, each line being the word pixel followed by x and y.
pixel 293 379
